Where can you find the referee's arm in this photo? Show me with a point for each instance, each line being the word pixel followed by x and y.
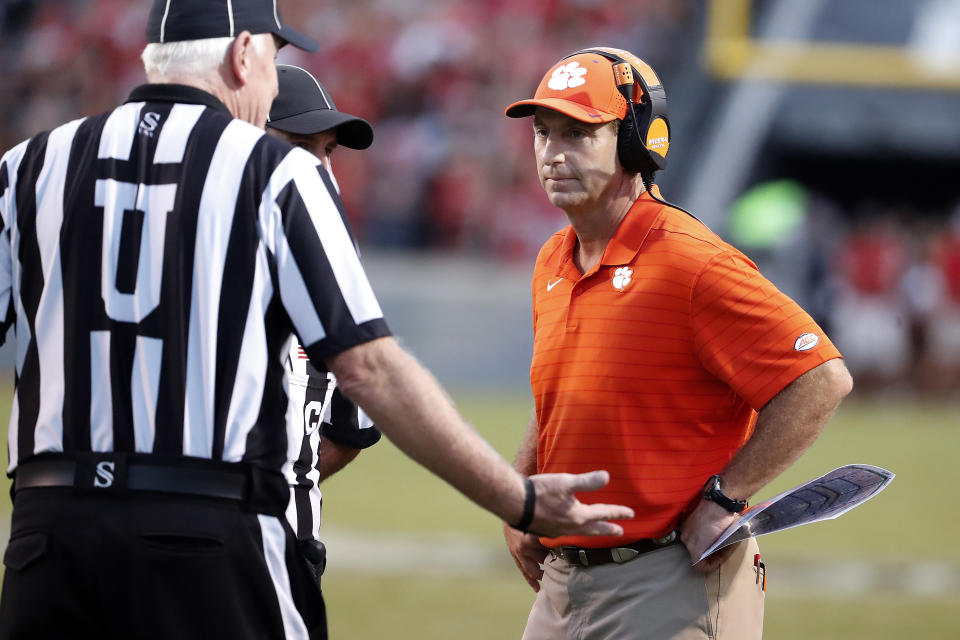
pixel 422 421
pixel 525 548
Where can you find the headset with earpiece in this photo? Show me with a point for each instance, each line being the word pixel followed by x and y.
pixel 644 136
pixel 645 130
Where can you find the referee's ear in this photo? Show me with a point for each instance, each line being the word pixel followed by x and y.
pixel 240 58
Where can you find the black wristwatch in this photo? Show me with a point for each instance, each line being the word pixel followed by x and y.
pixel 712 492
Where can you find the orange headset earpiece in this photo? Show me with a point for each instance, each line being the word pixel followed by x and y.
pixel 645 130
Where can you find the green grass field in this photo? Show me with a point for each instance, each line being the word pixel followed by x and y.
pixel 384 499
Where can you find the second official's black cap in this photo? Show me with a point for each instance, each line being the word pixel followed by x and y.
pixel 178 20
pixel 304 106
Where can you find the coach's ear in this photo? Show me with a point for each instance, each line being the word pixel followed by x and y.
pixel 240 58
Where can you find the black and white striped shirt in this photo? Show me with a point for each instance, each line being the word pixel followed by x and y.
pixel 317 408
pixel 154 262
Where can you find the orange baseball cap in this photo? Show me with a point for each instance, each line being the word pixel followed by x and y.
pixel 581 86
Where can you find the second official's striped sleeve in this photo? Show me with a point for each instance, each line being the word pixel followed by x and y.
pixel 322 284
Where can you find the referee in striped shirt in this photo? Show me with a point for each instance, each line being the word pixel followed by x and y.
pixel 325 430
pixel 155 262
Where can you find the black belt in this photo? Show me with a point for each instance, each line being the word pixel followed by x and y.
pixel 111 473
pixel 625 553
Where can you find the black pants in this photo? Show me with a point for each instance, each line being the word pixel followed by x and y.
pixel 147 565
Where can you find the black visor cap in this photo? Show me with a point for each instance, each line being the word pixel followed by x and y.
pixel 179 20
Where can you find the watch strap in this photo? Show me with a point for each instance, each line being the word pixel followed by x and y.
pixel 712 492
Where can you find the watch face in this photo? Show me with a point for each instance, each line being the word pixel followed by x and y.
pixel 712 487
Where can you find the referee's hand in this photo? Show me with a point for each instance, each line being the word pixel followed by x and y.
pixel 559 513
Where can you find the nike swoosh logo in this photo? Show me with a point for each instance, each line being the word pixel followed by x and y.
pixel 551 285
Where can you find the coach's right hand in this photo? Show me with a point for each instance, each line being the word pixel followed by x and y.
pixel 527 553
pixel 558 512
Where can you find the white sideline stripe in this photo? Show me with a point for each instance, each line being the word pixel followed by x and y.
pixel 457 555
pixel 274 552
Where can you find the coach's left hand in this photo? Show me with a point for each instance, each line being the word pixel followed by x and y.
pixel 701 529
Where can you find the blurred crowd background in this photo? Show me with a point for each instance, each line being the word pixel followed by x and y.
pixel 864 232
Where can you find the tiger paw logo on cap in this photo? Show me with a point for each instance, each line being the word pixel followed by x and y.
pixel 567 76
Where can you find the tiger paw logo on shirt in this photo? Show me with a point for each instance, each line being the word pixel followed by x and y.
pixel 622 277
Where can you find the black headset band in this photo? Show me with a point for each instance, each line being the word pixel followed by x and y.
pixel 600 52
pixel 613 57
pixel 652 106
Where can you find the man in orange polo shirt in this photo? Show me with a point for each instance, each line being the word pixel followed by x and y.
pixel 661 354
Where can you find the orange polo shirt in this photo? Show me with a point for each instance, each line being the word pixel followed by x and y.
pixel 654 363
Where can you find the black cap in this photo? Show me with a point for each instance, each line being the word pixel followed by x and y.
pixel 305 107
pixel 177 20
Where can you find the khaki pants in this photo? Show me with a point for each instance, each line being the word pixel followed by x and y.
pixel 657 596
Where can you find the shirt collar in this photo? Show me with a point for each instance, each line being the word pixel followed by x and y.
pixel 633 230
pixel 561 260
pixel 622 247
pixel 176 93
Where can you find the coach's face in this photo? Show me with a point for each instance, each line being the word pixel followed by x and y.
pixel 576 161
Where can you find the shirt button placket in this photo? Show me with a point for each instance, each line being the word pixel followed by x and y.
pixel 571 311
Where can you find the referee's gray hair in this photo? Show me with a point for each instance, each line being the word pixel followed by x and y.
pixel 188 57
